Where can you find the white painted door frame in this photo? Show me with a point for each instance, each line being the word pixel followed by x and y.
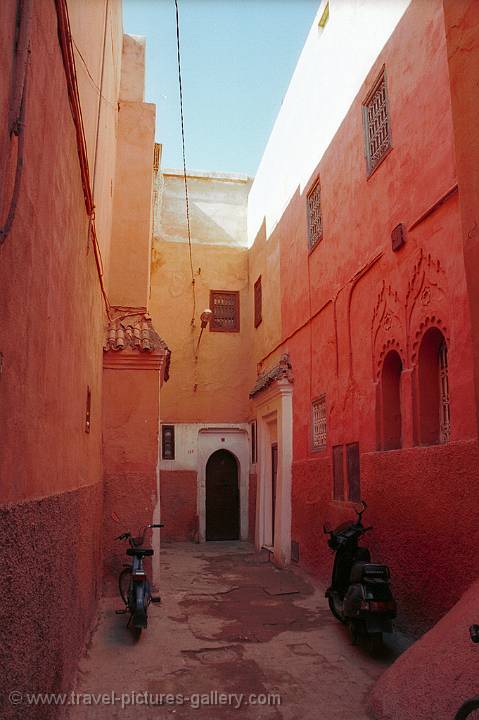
pixel 275 405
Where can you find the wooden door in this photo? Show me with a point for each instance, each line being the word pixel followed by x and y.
pixel 222 497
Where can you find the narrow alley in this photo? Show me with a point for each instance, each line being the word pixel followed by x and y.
pixel 229 623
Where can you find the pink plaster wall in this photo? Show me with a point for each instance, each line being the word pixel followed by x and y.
pixel 130 459
pixel 334 300
pixel 51 338
pixel 178 505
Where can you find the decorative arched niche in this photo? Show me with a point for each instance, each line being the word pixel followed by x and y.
pixel 391 401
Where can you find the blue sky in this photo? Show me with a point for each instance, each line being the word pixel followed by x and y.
pixel 237 59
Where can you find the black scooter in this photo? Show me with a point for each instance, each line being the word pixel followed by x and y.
pixel 359 595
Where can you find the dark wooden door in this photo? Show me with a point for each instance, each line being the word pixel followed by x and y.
pixel 274 475
pixel 222 497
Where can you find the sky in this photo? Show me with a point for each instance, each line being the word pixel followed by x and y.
pixel 237 58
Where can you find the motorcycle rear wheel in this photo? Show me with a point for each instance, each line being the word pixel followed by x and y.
pixel 468 711
pixel 336 607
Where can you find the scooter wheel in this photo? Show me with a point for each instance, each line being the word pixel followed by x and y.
pixel 375 641
pixel 355 632
pixel 336 608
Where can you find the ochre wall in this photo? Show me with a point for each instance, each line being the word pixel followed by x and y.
pixel 333 301
pixel 213 388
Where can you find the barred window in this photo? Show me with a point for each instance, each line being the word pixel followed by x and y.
pixel 319 423
pixel 168 442
pixel 258 302
pixel 225 307
pixel 315 220
pixel 377 127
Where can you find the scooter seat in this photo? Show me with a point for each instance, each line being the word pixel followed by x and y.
pixel 140 552
pixel 369 572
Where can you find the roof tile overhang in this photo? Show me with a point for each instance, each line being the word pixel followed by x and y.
pixel 133 336
pixel 279 372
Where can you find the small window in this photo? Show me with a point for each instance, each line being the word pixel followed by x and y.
pixel 258 302
pixel 225 307
pixel 338 473
pixel 315 221
pixel 254 445
pixel 168 442
pixel 377 127
pixel 346 463
pixel 352 459
pixel 319 423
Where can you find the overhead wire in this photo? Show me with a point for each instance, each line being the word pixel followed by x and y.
pixel 180 84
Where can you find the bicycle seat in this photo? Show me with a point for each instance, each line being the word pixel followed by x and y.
pixel 140 552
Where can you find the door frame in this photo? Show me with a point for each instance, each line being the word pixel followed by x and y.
pixel 237 482
pixel 235 440
pixel 275 407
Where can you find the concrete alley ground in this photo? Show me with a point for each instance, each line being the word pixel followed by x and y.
pixel 229 623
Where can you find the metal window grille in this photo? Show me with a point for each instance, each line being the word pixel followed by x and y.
pixel 225 307
pixel 338 473
pixel 377 124
pixel 319 423
pixel 258 302
pixel 168 442
pixel 444 407
pixel 254 443
pixel 315 220
pixel 352 460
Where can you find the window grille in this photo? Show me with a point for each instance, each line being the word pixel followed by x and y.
pixel 225 307
pixel 352 459
pixel 376 124
pixel 168 442
pixel 258 302
pixel 319 423
pixel 254 443
pixel 444 407
pixel 315 220
pixel 338 473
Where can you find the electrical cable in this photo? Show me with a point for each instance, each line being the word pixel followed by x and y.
pixel 184 161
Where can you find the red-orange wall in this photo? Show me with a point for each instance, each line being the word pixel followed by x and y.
pixel 413 493
pixel 51 336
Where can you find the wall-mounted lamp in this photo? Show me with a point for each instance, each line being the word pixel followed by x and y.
pixel 205 318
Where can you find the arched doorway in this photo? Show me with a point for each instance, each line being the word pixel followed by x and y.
pixel 222 497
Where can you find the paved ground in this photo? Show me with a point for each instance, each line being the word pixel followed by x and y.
pixel 229 623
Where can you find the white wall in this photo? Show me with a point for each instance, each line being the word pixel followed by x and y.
pixel 333 65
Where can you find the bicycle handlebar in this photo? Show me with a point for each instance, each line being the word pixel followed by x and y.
pixel 136 542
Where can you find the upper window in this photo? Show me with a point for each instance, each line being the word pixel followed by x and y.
pixel 225 307
pixel 377 126
pixel 315 220
pixel 258 302
pixel 319 423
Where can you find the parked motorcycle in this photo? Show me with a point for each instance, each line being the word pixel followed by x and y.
pixel 359 595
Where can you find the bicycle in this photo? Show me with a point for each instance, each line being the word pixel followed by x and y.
pixel 133 582
pixel 470 709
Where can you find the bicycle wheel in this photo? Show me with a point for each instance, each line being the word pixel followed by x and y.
pixel 139 612
pixel 469 710
pixel 124 584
